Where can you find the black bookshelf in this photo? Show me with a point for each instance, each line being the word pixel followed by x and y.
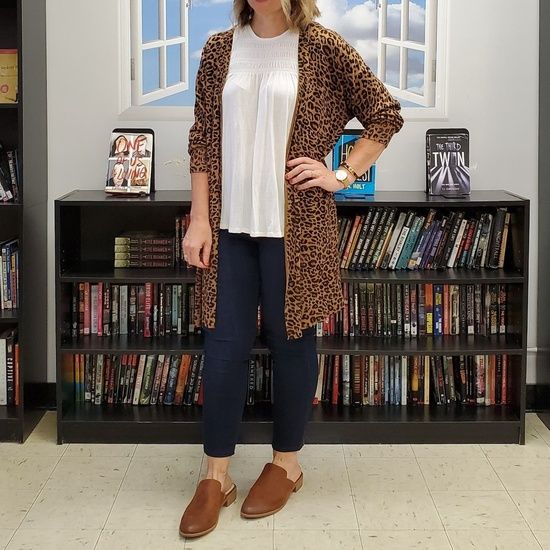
pixel 86 222
pixel 15 422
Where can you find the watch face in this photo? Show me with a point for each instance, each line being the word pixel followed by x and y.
pixel 341 175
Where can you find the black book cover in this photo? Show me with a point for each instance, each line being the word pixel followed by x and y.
pixel 447 161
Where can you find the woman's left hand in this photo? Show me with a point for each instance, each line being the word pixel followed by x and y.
pixel 312 173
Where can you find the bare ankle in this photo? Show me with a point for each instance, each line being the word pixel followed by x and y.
pixel 217 468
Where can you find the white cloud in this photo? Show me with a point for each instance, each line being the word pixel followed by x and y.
pixel 358 25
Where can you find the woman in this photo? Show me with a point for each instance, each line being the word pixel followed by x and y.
pixel 273 95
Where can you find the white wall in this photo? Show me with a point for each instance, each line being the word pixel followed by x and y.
pixel 492 91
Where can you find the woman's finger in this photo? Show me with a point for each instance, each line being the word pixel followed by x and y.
pixel 303 166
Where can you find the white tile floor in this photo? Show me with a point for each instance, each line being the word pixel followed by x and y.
pixel 355 497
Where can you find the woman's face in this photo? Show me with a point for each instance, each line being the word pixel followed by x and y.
pixel 265 6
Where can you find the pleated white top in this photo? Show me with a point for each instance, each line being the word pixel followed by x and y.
pixel 258 102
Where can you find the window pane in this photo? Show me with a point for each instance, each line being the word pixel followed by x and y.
pixel 173 61
pixel 151 70
pixel 394 19
pixel 173 18
pixel 415 71
pixel 392 65
pixel 150 20
pixel 417 21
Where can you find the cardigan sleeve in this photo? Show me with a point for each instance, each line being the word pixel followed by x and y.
pixel 198 161
pixel 366 97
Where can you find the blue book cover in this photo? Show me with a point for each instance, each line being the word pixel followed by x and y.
pixel 365 184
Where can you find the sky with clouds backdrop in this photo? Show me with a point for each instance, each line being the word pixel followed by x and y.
pixel 355 20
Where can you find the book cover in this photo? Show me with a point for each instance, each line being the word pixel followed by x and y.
pixel 447 161
pixel 366 183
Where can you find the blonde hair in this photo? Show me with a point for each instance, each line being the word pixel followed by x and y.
pixel 298 12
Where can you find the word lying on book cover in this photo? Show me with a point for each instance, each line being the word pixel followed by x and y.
pixel 130 168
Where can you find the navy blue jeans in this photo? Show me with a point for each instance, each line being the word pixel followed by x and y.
pixel 252 269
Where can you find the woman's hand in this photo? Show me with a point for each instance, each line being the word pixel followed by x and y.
pixel 312 172
pixel 198 237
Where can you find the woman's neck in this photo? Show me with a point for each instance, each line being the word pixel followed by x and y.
pixel 268 26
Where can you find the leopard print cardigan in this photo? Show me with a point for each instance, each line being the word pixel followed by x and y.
pixel 334 86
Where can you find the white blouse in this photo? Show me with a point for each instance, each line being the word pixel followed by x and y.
pixel 258 101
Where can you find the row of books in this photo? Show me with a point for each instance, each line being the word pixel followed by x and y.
pixel 348 380
pixel 9 274
pixel 9 174
pixel 9 367
pixel 144 249
pixel 359 380
pixel 142 309
pixel 419 309
pixel 395 238
pixel 137 379
pixel 371 309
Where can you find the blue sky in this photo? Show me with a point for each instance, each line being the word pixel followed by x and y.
pixel 355 20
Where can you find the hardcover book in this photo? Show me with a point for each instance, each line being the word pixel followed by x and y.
pixel 366 183
pixel 447 161
pixel 131 164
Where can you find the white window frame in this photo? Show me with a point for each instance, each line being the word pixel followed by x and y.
pixel 132 48
pixel 140 113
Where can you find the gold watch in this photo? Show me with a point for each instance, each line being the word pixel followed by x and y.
pixel 343 177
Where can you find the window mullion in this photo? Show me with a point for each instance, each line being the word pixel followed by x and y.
pixel 382 26
pixel 162 61
pixel 184 69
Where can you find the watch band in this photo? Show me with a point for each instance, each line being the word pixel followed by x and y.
pixel 350 169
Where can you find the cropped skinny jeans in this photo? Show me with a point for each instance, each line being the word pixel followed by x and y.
pixel 251 270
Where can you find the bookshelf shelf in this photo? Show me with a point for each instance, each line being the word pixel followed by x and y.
pixel 85 225
pixel 329 424
pixel 103 271
pixel 429 345
pixel 9 315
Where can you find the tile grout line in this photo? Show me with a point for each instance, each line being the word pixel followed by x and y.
pixel 352 498
pixel 451 546
pixel 510 497
pixel 114 500
pixel 39 491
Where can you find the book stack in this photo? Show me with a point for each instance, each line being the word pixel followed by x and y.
pixel 9 367
pixel 9 175
pixel 9 270
pixel 144 249
pixel 182 223
pixel 393 238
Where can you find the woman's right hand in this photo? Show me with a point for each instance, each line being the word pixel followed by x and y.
pixel 198 237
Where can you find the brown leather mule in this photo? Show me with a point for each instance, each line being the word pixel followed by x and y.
pixel 202 513
pixel 270 492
